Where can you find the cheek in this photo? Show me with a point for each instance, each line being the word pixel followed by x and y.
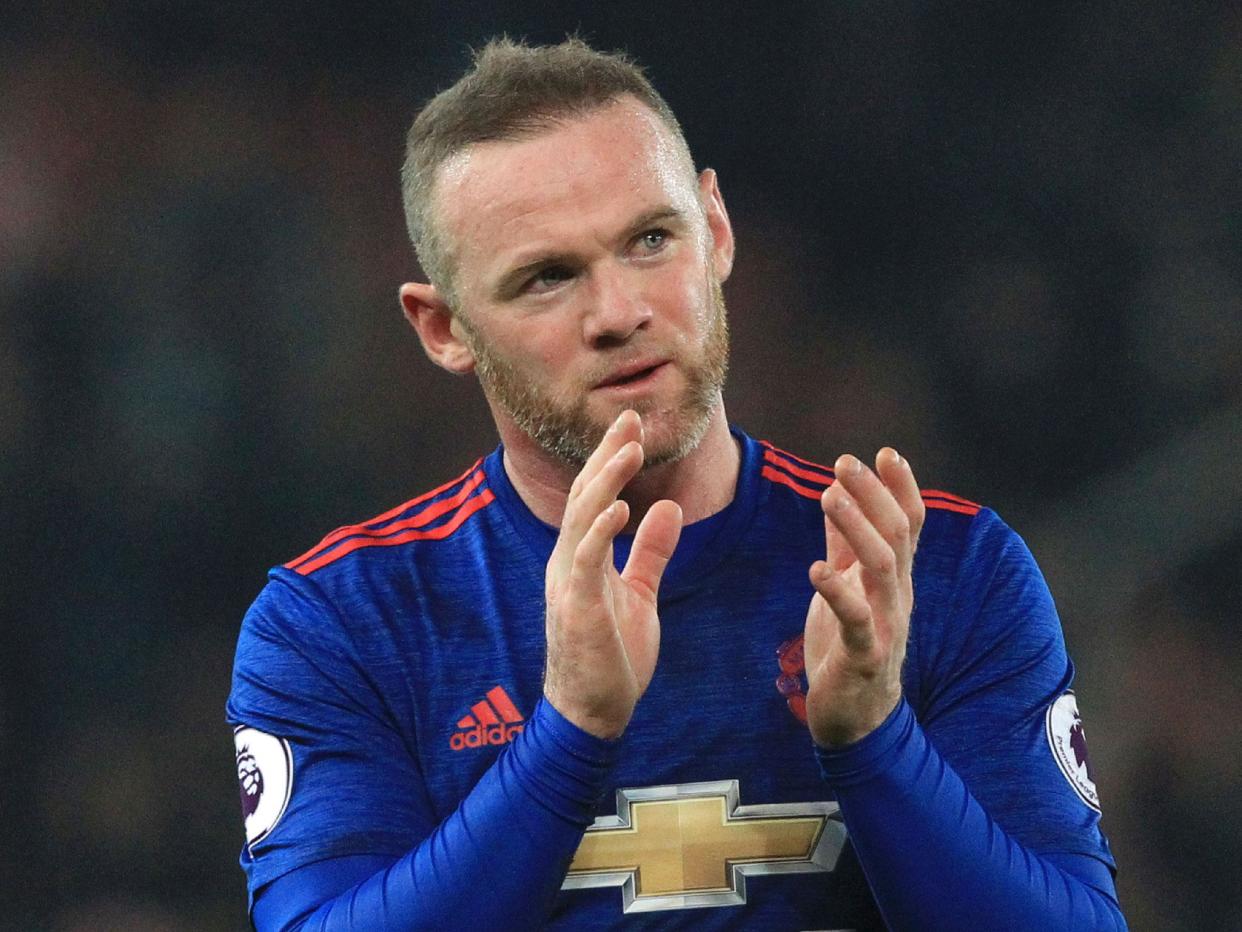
pixel 552 354
pixel 543 348
pixel 546 350
pixel 557 338
pixel 687 301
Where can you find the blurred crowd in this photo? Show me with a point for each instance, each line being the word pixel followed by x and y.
pixel 1006 240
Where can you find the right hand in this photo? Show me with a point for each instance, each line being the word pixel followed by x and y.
pixel 602 628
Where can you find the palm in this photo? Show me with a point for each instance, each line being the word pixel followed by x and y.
pixel 858 619
pixel 638 618
pixel 638 629
pixel 602 625
pixel 831 668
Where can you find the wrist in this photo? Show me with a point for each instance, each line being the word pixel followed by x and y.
pixel 560 768
pixel 872 754
pixel 835 734
pixel 602 724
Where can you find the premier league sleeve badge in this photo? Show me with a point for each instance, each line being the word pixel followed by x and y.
pixel 264 780
pixel 1068 742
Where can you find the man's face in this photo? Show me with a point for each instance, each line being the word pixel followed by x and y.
pixel 587 282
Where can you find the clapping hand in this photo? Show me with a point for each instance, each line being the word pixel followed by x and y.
pixel 859 617
pixel 603 632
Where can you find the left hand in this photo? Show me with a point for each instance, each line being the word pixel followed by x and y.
pixel 859 617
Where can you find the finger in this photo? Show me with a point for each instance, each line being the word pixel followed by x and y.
pixel 621 432
pixel 878 503
pixel 821 629
pixel 895 471
pixel 593 555
pixel 602 490
pixel 593 498
pixel 856 626
pixel 628 426
pixel 654 544
pixel 875 555
pixel 836 547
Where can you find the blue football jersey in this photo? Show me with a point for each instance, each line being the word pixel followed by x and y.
pixel 381 674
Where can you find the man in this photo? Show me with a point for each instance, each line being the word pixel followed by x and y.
pixel 566 688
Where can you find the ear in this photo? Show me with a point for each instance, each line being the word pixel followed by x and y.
pixel 717 223
pixel 437 329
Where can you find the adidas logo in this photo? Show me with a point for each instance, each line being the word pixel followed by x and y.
pixel 492 720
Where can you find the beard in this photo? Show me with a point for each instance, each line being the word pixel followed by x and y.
pixel 568 431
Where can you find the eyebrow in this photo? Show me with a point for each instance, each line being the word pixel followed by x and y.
pixel 653 217
pixel 511 278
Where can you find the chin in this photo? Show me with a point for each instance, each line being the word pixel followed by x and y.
pixel 672 436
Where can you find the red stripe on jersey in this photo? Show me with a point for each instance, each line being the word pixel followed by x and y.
pixel 950 506
pixel 769 473
pixel 467 721
pixel 350 529
pixel 932 498
pixel 426 516
pixel 483 712
pixel 504 705
pixel 950 497
pixel 772 457
pixel 471 505
pixel 797 459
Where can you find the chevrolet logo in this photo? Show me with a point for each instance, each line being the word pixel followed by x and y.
pixel 675 847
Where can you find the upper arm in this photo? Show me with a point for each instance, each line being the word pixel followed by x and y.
pixel 991 672
pixel 301 689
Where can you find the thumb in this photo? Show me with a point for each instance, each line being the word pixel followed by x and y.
pixel 654 543
pixel 821 624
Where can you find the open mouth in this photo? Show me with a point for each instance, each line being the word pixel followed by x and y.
pixel 631 378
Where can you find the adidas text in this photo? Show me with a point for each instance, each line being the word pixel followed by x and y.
pixel 480 736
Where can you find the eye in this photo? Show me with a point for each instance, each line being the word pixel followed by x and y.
pixel 653 240
pixel 548 278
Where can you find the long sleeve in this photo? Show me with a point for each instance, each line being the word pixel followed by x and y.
pixel 342 828
pixel 499 858
pixel 935 859
pixel 958 807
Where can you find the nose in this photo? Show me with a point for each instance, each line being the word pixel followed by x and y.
pixel 618 307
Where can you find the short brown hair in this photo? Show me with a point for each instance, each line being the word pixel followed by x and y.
pixel 513 91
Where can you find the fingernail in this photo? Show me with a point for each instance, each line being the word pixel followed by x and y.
pixel 852 465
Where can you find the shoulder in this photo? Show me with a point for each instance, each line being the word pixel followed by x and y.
pixel 808 479
pixel 983 610
pixel 346 604
pixel 795 475
pixel 435 515
pixel 970 545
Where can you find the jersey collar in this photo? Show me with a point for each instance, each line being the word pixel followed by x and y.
pixel 703 544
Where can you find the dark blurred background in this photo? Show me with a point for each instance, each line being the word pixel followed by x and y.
pixel 1005 238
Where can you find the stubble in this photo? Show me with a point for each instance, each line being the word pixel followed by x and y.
pixel 568 431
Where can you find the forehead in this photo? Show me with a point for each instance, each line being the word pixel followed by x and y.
pixel 579 178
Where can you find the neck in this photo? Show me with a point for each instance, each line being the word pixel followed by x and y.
pixel 703 482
